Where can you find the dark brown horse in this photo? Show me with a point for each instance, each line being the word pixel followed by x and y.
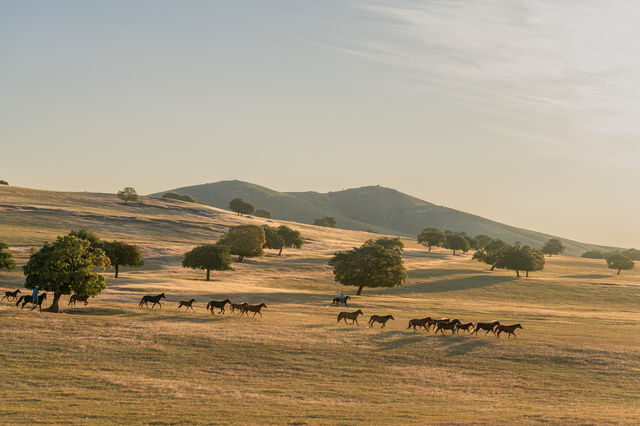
pixel 446 325
pixel 486 326
pixel 337 301
pixel 217 304
pixel 466 327
pixel 509 329
pixel 187 303
pixel 11 296
pixel 420 322
pixel 239 306
pixel 153 299
pixel 77 298
pixel 28 299
pixel 381 319
pixel 353 316
pixel 254 308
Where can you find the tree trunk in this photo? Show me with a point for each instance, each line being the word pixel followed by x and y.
pixel 208 273
pixel 619 271
pixel 280 251
pixel 429 248
pixel 517 273
pixel 240 258
pixel 493 267
pixel 54 305
pixel 454 252
pixel 527 275
pixel 116 271
pixel 359 290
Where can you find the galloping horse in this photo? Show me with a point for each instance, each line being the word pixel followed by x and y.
pixel 254 308
pixel 220 305
pixel 187 303
pixel 420 322
pixel 487 326
pixel 381 319
pixel 28 299
pixel 509 329
pixel 11 296
pixel 353 316
pixel 153 299
pixel 77 298
pixel 337 301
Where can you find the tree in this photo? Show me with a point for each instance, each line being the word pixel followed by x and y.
pixel 241 206
pixel 64 266
pixel 271 238
pixel 456 242
pixel 290 238
pixel 482 241
pixel 128 194
pixel 617 260
pixel 594 254
pixel 94 241
pixel 520 258
pixel 327 221
pixel 244 241
pixel 6 258
pixel 122 254
pixel 431 237
pixel 491 254
pixel 371 265
pixel 553 246
pixel 632 253
pixel 182 197
pixel 210 257
pixel 394 244
pixel 3 182
pixel 263 213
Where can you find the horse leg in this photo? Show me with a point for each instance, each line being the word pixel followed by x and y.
pixel 260 314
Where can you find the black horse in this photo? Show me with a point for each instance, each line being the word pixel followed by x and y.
pixel 218 304
pixel 26 299
pixel 153 299
pixel 337 301
pixel 11 296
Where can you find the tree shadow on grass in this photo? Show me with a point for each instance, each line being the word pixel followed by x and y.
pixel 587 276
pixel 459 345
pixel 103 312
pixel 466 283
pixel 433 273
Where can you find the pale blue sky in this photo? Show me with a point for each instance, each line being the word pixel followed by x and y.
pixel 523 112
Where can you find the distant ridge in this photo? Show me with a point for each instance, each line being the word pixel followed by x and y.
pixel 369 208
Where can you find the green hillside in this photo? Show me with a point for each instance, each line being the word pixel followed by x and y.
pixel 372 208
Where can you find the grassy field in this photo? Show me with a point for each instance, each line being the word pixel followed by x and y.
pixel 577 360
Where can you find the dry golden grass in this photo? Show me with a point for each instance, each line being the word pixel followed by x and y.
pixel 576 361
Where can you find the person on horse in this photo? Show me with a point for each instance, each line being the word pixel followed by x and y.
pixel 34 295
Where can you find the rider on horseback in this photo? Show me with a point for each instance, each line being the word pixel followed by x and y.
pixel 34 295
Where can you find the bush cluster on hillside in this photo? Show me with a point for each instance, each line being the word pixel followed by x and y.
pixel 328 222
pixel 182 197
pixel 3 182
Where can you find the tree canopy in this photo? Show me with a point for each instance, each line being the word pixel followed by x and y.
pixel 209 257
pixel 482 241
pixel 371 265
pixel 632 253
pixel 66 265
pixel 327 221
pixel 553 246
pixel 282 237
pixel 182 197
pixel 619 261
pixel 241 206
pixel 491 253
pixel 244 241
pixel 263 213
pixel 431 237
pixel 456 241
pixel 3 182
pixel 6 258
pixel 394 243
pixel 128 194
pixel 520 258
pixel 594 254
pixel 122 254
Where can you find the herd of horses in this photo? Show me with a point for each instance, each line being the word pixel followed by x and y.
pixel 438 325
pixel 243 308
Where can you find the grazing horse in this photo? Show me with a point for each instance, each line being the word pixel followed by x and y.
pixel 466 327
pixel 11 296
pixel 509 329
pixel 337 301
pixel 420 322
pixel 187 303
pixel 446 325
pixel 239 306
pixel 28 299
pixel 254 308
pixel 153 299
pixel 217 304
pixel 77 298
pixel 381 319
pixel 487 326
pixel 353 316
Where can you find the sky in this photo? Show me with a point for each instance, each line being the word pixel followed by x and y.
pixel 523 112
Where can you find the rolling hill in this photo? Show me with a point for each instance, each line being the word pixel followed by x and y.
pixel 370 208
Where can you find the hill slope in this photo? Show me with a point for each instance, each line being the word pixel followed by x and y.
pixel 374 208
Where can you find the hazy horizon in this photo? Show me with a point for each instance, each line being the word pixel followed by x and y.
pixel 523 113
